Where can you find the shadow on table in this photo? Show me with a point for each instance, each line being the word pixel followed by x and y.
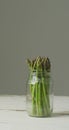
pixel 58 114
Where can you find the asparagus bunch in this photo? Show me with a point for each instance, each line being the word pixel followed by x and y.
pixel 41 63
pixel 39 90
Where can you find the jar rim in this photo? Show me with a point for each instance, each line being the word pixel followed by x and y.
pixel 43 71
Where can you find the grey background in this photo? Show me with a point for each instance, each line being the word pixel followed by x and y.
pixel 29 28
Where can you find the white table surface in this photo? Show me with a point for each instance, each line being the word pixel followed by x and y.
pixel 13 115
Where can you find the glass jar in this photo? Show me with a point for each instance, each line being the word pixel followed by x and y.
pixel 39 94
